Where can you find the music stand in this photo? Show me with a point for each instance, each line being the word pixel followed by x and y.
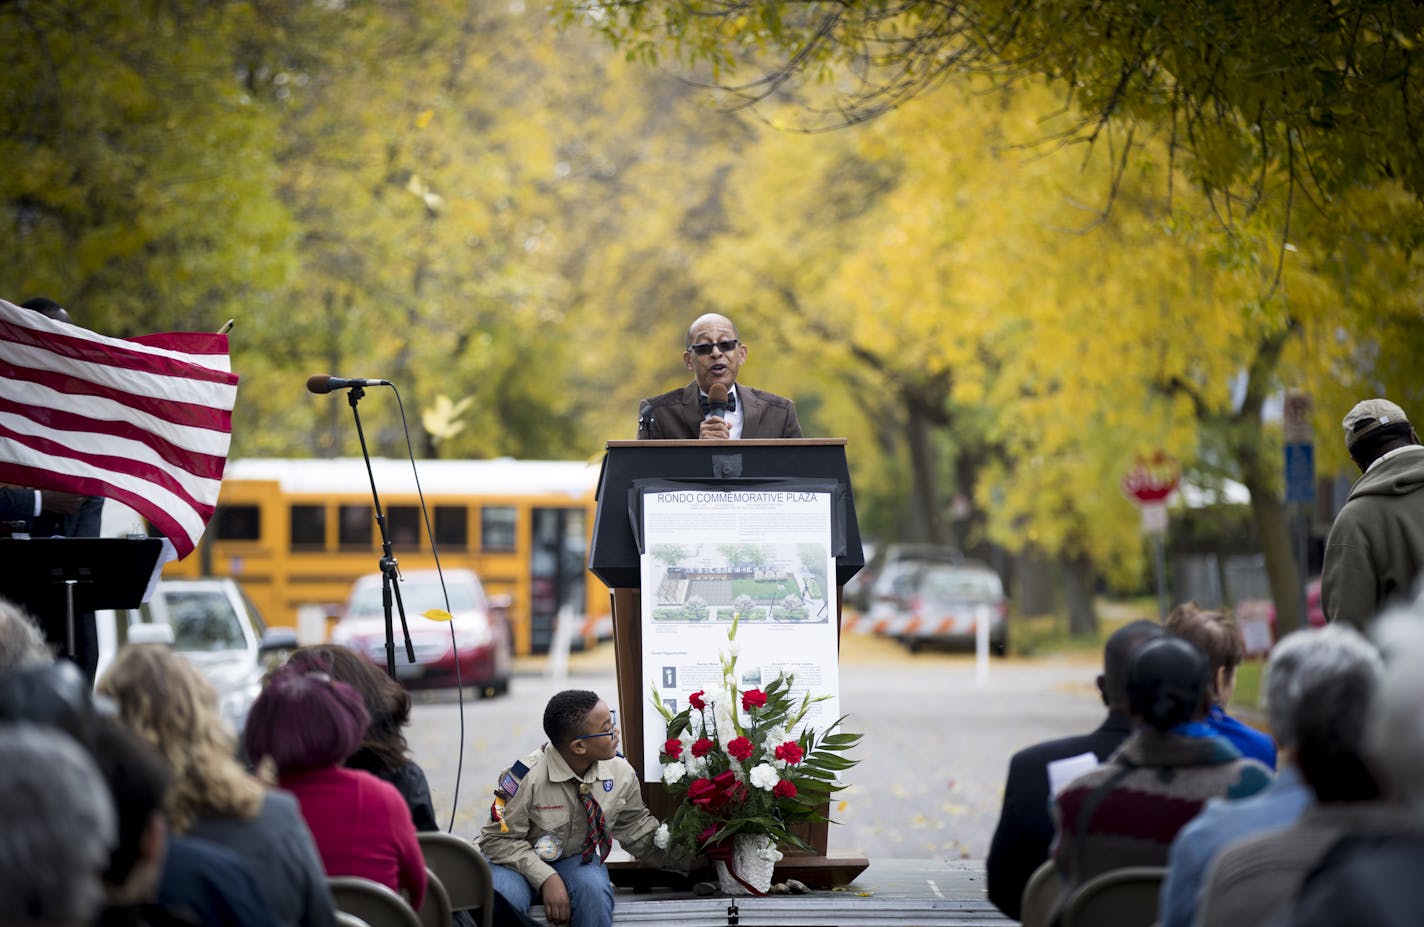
pixel 56 578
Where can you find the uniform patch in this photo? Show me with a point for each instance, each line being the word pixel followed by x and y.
pixel 548 847
pixel 509 779
pixel 607 785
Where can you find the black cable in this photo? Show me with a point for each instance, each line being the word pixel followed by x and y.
pixel 454 646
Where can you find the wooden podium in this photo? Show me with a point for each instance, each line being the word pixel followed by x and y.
pixel 614 557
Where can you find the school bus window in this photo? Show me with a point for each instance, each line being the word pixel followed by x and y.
pixel 403 523
pixel 452 527
pixel 238 523
pixel 354 527
pixel 308 527
pixel 497 527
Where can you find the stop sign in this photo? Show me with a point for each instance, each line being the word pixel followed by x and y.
pixel 1152 479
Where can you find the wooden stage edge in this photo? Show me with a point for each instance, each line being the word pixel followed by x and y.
pixel 823 872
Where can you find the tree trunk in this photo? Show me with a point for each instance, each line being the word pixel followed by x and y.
pixel 1273 527
pixel 1037 592
pixel 1079 577
pixel 925 520
pixel 1257 471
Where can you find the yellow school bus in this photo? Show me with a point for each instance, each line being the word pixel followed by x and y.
pixel 297 533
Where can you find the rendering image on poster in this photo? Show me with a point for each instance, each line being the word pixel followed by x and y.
pixel 761 558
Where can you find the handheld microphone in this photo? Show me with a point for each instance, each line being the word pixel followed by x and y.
pixel 321 383
pixel 716 401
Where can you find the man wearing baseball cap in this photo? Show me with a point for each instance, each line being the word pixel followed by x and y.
pixel 1376 546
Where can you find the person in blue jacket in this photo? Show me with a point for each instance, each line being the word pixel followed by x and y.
pixel 1217 634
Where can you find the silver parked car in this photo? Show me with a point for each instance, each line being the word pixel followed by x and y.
pixel 926 602
pixel 210 622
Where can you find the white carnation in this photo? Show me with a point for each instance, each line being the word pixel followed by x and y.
pixel 662 837
pixel 696 764
pixel 672 772
pixel 764 776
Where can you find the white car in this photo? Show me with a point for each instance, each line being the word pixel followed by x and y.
pixel 210 622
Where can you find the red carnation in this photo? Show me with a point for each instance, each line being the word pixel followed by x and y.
pixel 784 789
pixel 695 700
pixel 753 698
pixel 708 834
pixel 672 748
pixel 791 752
pixel 739 748
pixel 702 746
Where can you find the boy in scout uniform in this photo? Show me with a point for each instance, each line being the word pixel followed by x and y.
pixel 556 813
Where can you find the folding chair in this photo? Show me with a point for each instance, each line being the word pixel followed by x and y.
pixel 1039 895
pixel 463 871
pixel 1120 898
pixel 372 902
pixel 435 908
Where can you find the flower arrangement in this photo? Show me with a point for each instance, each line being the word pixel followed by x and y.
pixel 742 768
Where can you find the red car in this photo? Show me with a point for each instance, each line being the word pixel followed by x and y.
pixel 477 640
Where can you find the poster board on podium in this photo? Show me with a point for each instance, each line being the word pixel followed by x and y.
pixel 768 480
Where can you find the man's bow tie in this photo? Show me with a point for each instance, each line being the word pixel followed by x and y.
pixel 731 403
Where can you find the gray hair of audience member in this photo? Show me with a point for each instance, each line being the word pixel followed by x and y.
pixel 1302 659
pixel 21 642
pixel 58 828
pixel 1400 628
pixel 1394 741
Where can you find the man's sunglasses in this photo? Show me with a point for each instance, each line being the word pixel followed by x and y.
pixel 726 347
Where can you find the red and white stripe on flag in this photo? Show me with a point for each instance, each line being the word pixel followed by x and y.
pixel 146 421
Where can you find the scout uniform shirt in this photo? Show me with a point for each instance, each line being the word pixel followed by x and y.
pixel 546 821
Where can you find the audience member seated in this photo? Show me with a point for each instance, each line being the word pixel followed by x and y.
pixel 205 880
pixel 165 700
pixel 1025 829
pixel 306 723
pixel 1127 812
pixel 1373 877
pixel 1217 635
pixel 138 781
pixel 58 829
pixel 1254 877
pixel 21 640
pixel 53 694
pixel 384 752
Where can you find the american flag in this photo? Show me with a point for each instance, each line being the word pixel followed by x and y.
pixel 146 421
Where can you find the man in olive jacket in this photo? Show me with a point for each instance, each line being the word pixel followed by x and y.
pixel 1376 546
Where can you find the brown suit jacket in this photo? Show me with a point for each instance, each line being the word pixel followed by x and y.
pixel 677 414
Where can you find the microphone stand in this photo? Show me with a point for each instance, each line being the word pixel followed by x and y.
pixel 390 572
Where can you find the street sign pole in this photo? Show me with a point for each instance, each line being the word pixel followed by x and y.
pixel 1148 484
pixel 1299 436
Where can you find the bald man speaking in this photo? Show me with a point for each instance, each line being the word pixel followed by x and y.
pixel 713 405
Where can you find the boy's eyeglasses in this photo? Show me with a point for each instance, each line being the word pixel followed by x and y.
pixel 612 729
pixel 726 347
